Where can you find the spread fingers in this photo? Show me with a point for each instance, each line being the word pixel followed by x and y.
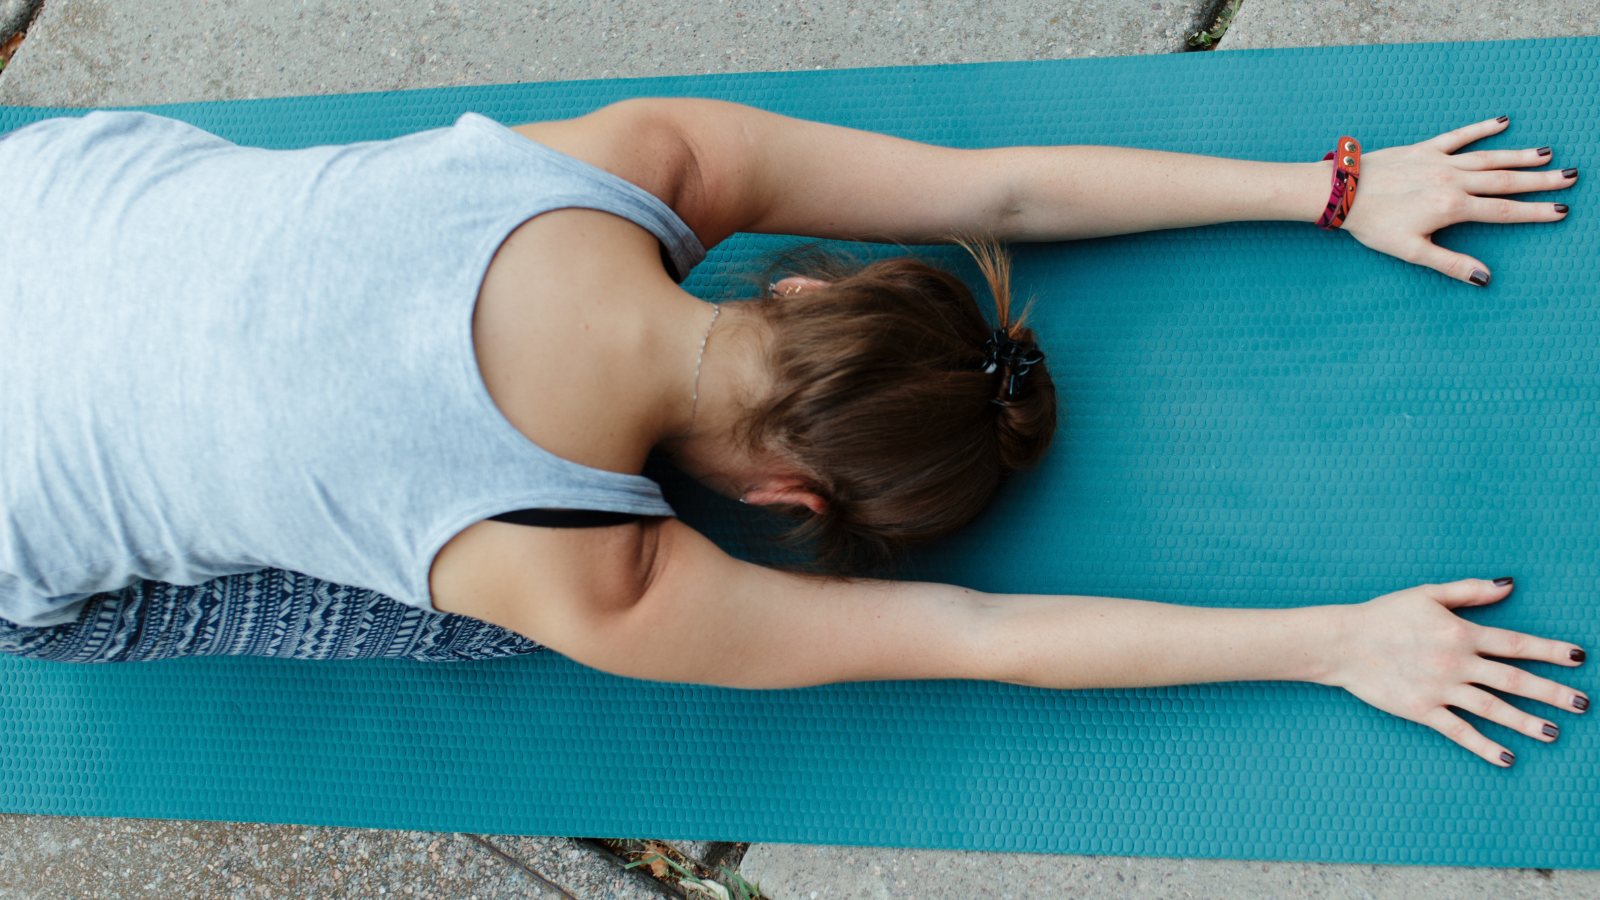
pixel 1451 141
pixel 1456 729
pixel 1485 209
pixel 1512 680
pixel 1504 181
pixel 1482 703
pixel 1516 645
pixel 1485 160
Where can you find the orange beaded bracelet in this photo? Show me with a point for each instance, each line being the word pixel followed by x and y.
pixel 1346 173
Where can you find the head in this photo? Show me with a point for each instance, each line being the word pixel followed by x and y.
pixel 879 402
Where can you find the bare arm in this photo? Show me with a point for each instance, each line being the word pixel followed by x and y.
pixel 725 168
pixel 728 168
pixel 688 612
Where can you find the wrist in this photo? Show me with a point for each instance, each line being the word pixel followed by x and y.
pixel 1331 631
pixel 1312 192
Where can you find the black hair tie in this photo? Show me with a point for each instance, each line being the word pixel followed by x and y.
pixel 1002 351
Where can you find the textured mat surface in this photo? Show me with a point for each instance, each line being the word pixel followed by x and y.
pixel 1255 415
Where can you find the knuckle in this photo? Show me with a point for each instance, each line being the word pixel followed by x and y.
pixel 1486 705
pixel 1457 730
pixel 1505 209
pixel 1516 681
pixel 1518 644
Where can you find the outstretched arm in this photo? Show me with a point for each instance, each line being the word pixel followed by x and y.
pixel 727 168
pixel 679 609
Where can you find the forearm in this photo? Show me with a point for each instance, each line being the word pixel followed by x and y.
pixel 1064 193
pixel 833 182
pixel 1098 642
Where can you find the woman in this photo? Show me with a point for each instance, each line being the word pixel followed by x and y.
pixel 402 366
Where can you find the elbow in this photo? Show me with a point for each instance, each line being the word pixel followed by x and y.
pixel 1013 210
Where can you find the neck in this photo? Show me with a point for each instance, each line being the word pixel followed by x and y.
pixel 701 433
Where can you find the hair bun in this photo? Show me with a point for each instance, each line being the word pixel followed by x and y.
pixel 1013 359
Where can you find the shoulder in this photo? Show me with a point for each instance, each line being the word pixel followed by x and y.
pixel 697 156
pixel 636 140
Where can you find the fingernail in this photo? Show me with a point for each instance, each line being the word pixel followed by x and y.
pixel 1561 208
pixel 1507 757
pixel 1569 173
pixel 1503 119
pixel 1501 582
pixel 1543 151
pixel 1551 730
pixel 1580 703
pixel 1479 277
pixel 1577 655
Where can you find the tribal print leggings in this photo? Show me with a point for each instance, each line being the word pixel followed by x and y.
pixel 267 613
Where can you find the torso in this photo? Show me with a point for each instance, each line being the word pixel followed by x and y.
pixel 559 317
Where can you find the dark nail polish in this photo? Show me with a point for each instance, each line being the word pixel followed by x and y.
pixel 1502 582
pixel 1507 757
pixel 1577 655
pixel 1543 151
pixel 1569 173
pixel 1561 208
pixel 1503 119
pixel 1580 703
pixel 1479 277
pixel 1551 731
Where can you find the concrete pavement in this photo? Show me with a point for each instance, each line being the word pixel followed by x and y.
pixel 1323 23
pixel 803 872
pixel 59 858
pixel 135 52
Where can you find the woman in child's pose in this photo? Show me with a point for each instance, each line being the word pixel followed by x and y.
pixel 310 381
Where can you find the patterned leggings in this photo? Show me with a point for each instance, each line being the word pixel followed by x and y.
pixel 267 613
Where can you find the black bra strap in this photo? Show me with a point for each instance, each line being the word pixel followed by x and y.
pixel 671 267
pixel 566 518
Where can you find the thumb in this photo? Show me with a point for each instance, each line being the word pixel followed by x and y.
pixel 1457 265
pixel 1469 592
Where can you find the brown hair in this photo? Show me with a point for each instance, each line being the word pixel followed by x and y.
pixel 880 397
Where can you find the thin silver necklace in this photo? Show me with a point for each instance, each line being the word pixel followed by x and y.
pixel 694 402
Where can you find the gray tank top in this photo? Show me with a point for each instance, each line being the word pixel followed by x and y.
pixel 217 359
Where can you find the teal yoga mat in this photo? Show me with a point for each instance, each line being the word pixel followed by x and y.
pixel 1253 415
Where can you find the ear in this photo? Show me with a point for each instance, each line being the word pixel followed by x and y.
pixel 795 284
pixel 786 493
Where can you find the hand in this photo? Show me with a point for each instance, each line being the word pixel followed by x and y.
pixel 1407 654
pixel 1408 193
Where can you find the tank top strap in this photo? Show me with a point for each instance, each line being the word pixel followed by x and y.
pixel 681 249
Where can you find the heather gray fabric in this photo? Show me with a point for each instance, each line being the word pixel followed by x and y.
pixel 219 359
